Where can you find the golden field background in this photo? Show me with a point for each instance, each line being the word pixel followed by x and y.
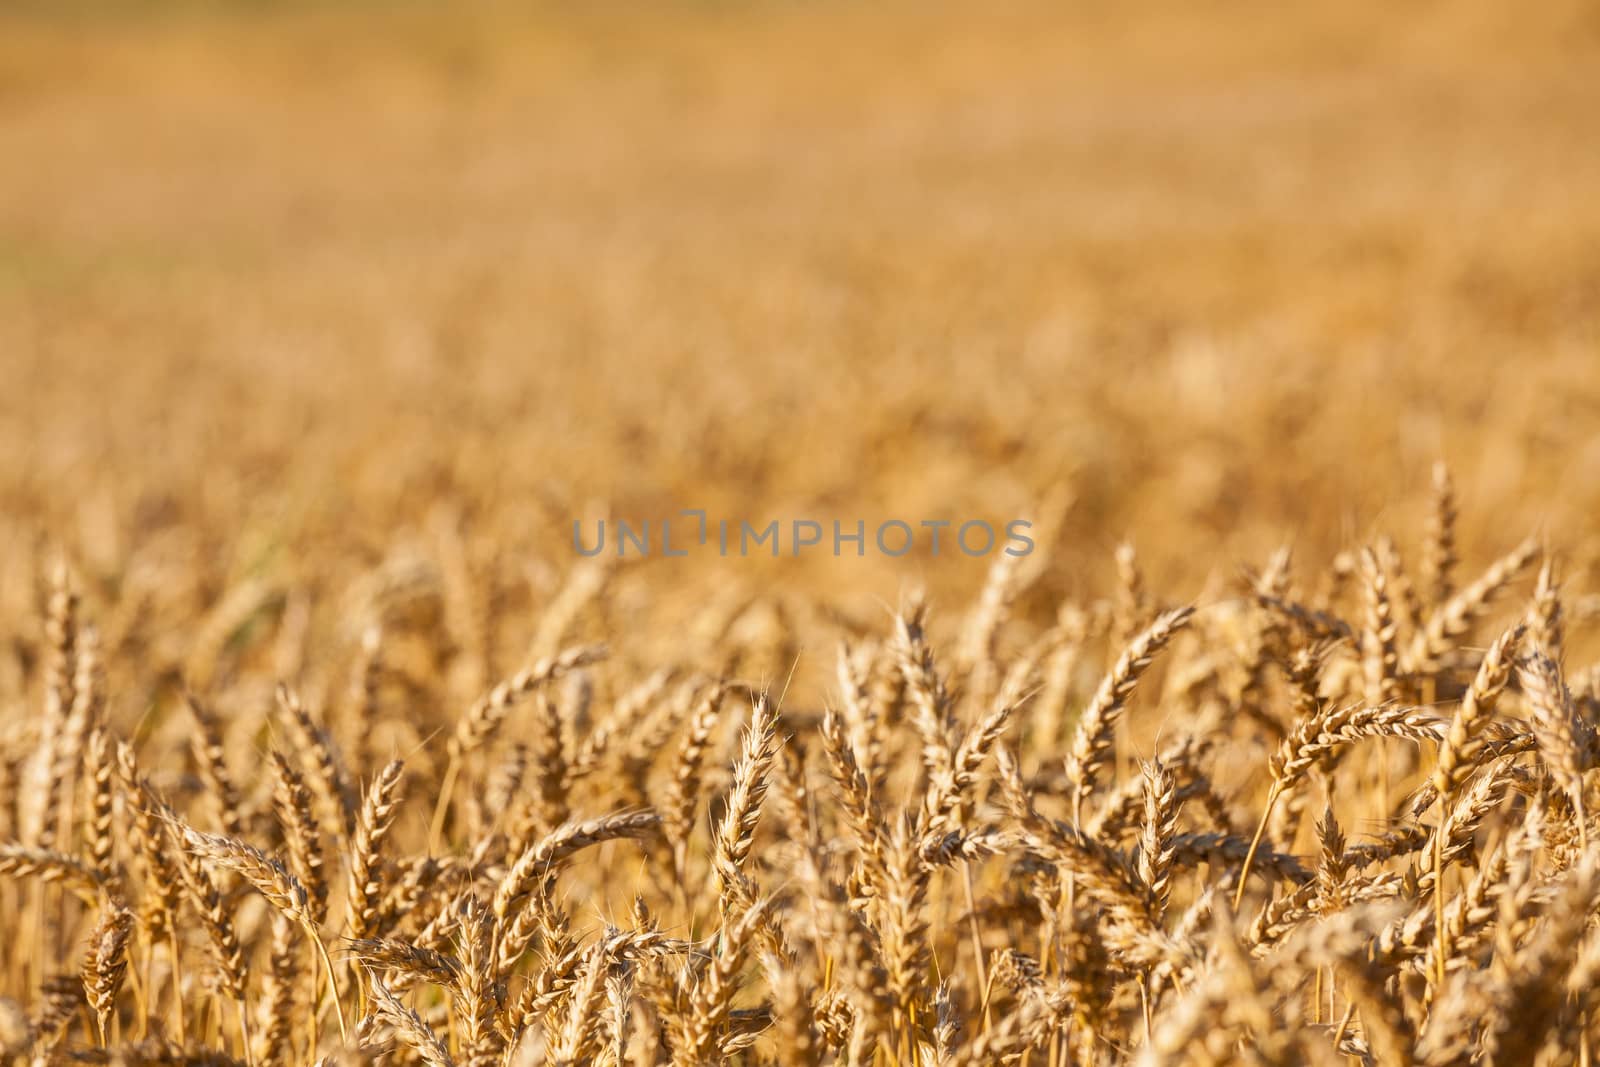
pixel 285 290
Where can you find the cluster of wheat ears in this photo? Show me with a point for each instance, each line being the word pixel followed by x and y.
pixel 1353 826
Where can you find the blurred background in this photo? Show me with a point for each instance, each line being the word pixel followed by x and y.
pixel 296 297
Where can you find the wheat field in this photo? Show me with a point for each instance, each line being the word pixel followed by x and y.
pixel 330 333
